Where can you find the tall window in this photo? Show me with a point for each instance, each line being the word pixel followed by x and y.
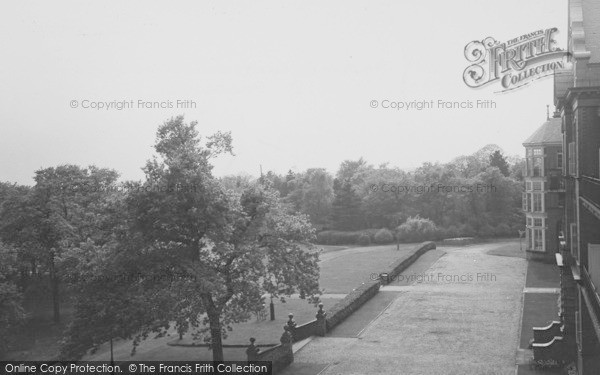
pixel 538 239
pixel 534 162
pixel 574 241
pixel 559 160
pixel 572 159
pixel 537 202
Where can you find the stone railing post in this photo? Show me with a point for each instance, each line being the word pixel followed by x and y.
pixel 252 351
pixel 291 324
pixel 321 329
pixel 286 343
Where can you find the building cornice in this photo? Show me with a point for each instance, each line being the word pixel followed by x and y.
pixel 575 92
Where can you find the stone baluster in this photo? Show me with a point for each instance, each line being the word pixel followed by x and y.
pixel 321 329
pixel 252 350
pixel 291 324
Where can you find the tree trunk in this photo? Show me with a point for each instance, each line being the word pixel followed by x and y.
pixel 55 291
pixel 215 334
pixel 56 299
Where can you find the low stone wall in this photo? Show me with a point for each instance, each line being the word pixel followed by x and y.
pixel 351 303
pixel 280 356
pixel 304 331
pixel 403 263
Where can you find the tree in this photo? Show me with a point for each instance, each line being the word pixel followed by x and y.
pixel 11 309
pixel 384 197
pixel 311 193
pixel 416 229
pixel 517 167
pixel 229 248
pixel 353 171
pixel 497 160
pixel 64 208
pixel 346 207
pixel 471 165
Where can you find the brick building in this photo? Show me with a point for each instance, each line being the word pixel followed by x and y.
pixel 543 199
pixel 577 98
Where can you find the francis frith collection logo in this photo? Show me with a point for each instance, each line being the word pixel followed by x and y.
pixel 514 63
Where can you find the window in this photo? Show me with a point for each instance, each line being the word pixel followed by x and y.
pixel 559 160
pixel 572 160
pixel 538 240
pixel 574 241
pixel 534 162
pixel 528 186
pixel 537 167
pixel 594 265
pixel 537 222
pixel 537 202
pixel 524 202
pixel 529 222
pixel 537 185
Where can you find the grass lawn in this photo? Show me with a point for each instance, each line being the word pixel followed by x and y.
pixel 265 332
pixel 344 270
pixel 511 248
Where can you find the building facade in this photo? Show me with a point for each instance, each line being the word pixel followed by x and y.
pixel 543 198
pixel 577 97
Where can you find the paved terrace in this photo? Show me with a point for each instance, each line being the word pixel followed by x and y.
pixel 441 325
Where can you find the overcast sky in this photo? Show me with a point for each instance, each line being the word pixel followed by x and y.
pixel 292 81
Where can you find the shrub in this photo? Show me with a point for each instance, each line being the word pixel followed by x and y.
pixel 384 236
pixel 503 230
pixel 334 237
pixel 364 239
pixel 417 229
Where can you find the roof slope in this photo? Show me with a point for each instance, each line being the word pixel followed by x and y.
pixel 549 132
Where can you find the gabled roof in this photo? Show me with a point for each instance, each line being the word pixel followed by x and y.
pixel 549 133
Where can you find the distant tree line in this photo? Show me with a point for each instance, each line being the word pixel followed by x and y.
pixel 474 195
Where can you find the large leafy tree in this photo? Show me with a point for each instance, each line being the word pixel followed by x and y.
pixel 11 309
pixel 65 207
pixel 497 160
pixel 384 196
pixel 227 247
pixel 346 211
pixel 311 193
